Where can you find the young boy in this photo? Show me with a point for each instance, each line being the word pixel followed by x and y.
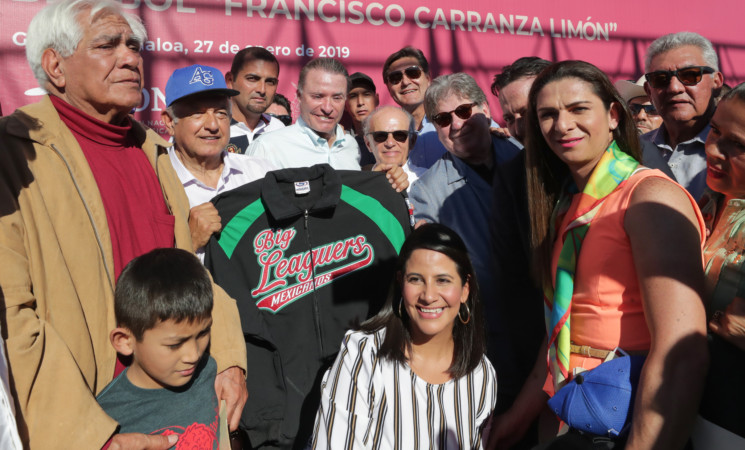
pixel 163 306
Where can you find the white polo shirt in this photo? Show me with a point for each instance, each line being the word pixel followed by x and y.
pixel 299 146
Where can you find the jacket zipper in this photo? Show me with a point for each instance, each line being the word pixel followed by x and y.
pixel 316 311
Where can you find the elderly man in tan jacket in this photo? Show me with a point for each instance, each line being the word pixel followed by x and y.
pixel 84 188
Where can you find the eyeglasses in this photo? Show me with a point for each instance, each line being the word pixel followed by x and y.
pixel 382 136
pixel 648 109
pixel 412 73
pixel 444 119
pixel 688 76
pixel 284 118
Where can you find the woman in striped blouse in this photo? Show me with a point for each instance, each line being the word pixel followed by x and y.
pixel 414 376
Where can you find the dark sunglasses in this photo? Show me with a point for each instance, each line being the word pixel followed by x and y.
pixel 382 136
pixel 284 118
pixel 444 119
pixel 412 73
pixel 648 109
pixel 688 76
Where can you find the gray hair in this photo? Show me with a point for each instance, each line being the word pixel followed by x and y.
pixel 367 123
pixel 460 84
pixel 676 40
pixel 172 114
pixel 329 65
pixel 57 26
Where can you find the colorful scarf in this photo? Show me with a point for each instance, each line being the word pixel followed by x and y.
pixel 612 171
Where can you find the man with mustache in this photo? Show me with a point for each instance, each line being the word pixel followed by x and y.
pixel 683 80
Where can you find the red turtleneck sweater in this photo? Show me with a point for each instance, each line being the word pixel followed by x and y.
pixel 138 218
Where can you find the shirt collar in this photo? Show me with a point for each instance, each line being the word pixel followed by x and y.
pixel 282 207
pixel 318 140
pixel 660 137
pixel 183 173
pixel 264 120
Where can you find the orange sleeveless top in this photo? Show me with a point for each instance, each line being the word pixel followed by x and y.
pixel 607 308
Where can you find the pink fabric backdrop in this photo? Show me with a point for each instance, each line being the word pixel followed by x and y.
pixel 475 36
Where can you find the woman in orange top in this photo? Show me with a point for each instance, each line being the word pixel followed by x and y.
pixel 617 248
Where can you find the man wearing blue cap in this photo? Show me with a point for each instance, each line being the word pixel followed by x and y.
pixel 198 118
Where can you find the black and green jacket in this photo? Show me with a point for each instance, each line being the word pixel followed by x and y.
pixel 306 253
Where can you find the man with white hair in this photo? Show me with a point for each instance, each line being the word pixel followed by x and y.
pixel 683 80
pixel 84 188
pixel 390 133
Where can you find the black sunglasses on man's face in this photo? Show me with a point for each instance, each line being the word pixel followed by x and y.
pixel 412 73
pixel 382 136
pixel 688 76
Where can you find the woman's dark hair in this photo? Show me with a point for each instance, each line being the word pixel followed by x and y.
pixel 546 173
pixel 468 338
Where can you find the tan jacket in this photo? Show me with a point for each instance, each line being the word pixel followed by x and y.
pixel 56 278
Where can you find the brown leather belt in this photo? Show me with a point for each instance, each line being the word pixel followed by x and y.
pixel 586 350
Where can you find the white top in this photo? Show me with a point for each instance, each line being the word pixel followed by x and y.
pixel 266 124
pixel 371 403
pixel 237 170
pixel 299 146
pixel 9 438
pixel 413 173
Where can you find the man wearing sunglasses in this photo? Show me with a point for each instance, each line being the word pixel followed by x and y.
pixel 457 191
pixel 406 75
pixel 683 80
pixel 389 133
pixel 643 111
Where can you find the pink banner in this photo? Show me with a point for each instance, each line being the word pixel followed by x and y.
pixel 475 36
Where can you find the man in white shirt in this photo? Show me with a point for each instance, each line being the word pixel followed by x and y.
pixel 316 137
pixel 255 75
pixel 198 118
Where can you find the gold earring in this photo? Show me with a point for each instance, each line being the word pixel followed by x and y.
pixel 468 310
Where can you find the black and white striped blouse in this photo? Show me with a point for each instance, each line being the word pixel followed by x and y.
pixel 371 403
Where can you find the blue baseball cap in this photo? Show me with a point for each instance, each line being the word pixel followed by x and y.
pixel 600 401
pixel 196 79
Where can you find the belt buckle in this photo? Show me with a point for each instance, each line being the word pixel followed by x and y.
pixel 617 352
